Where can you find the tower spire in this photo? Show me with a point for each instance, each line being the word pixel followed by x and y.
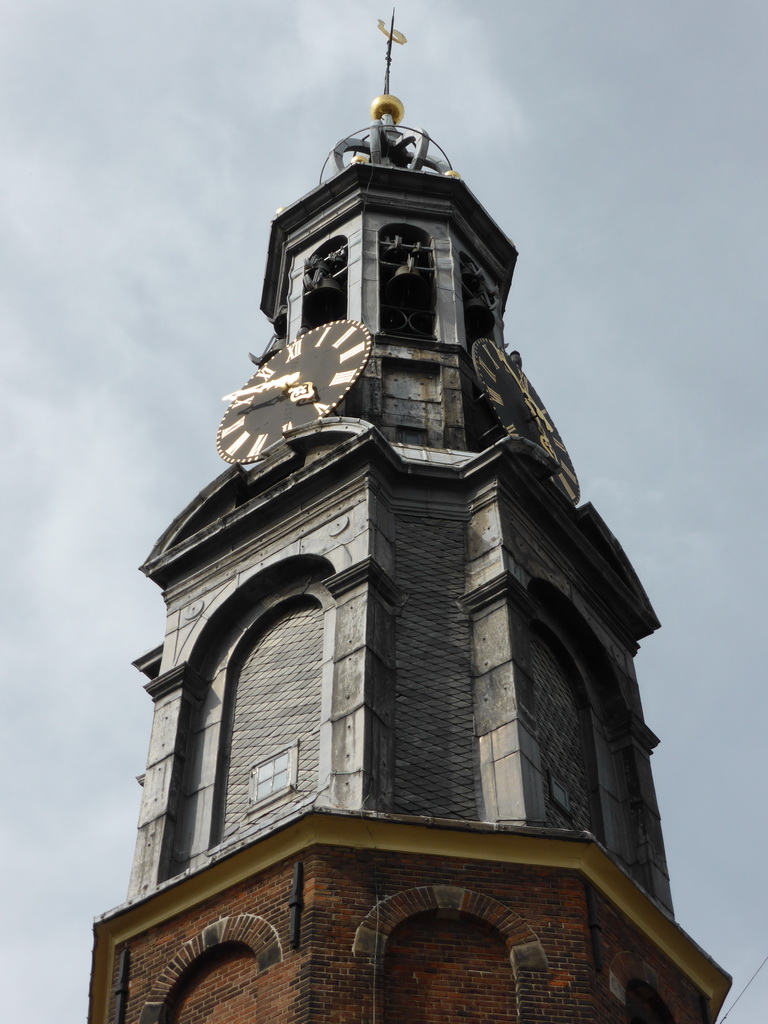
pixel 393 35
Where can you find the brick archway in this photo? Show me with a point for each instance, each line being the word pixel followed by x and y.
pixel 244 929
pixel 627 967
pixel 525 950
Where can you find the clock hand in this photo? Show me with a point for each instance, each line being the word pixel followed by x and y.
pixel 537 413
pixel 261 405
pixel 544 442
pixel 280 382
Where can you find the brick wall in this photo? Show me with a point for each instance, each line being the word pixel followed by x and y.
pixel 223 990
pixel 446 970
pixel 464 941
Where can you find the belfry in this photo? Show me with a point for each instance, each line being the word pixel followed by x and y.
pixel 398 769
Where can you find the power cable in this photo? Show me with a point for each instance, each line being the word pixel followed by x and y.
pixel 738 997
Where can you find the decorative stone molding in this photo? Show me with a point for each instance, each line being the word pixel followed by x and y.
pixel 504 587
pixel 630 726
pixel 181 678
pixel 367 571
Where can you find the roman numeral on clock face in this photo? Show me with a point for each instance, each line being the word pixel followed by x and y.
pixel 236 445
pixel 345 377
pixel 573 495
pixel 258 444
pixel 486 369
pixel 322 337
pixel 354 351
pixel 343 338
pixel 233 426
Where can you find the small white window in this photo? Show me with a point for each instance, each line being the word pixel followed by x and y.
pixel 275 776
pixel 559 793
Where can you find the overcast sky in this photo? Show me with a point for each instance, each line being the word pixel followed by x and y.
pixel 144 147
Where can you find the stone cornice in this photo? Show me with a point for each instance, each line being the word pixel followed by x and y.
pixel 504 587
pixel 183 677
pixel 368 571
pixel 149 663
pixel 630 726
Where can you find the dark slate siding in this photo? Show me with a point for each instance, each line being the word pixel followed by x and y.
pixel 434 771
pixel 277 702
pixel 559 737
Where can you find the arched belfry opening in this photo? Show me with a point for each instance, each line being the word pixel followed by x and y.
pixel 479 300
pixel 406 282
pixel 324 285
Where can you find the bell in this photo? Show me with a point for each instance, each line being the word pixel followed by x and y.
pixel 407 288
pixel 478 318
pixel 395 252
pixel 325 302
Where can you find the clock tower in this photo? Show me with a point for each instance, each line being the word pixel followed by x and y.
pixel 398 768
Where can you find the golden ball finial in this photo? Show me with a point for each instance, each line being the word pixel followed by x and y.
pixel 387 105
pixel 451 174
pixel 359 158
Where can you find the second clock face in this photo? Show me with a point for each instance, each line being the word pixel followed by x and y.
pixel 303 380
pixel 520 409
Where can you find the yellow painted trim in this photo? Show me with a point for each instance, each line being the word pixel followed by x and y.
pixel 369 833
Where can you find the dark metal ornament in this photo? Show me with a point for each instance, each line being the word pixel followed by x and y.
pixel 520 410
pixel 305 379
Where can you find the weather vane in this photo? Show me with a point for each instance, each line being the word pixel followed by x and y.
pixel 393 35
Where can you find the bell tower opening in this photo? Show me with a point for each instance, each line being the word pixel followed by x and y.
pixel 406 282
pixel 479 301
pixel 324 296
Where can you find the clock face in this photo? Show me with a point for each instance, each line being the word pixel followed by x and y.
pixel 303 380
pixel 520 409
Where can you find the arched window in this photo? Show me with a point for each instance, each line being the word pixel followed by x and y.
pixel 275 716
pixel 406 281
